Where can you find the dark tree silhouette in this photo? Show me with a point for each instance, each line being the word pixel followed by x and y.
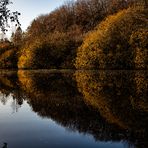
pixel 6 15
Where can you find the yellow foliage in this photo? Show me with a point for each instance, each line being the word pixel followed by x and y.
pixel 139 42
pixel 108 45
pixel 50 51
pixel 26 59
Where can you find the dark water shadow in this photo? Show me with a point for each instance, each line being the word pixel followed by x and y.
pixel 5 145
pixel 109 105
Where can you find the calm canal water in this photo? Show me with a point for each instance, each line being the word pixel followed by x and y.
pixel 73 109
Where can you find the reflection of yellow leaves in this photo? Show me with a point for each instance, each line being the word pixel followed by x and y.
pixel 116 95
pixel 26 80
pixel 91 89
pixel 6 82
pixel 140 58
pixel 139 103
pixel 140 100
pixel 141 84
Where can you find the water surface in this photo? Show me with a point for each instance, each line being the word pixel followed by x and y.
pixel 68 109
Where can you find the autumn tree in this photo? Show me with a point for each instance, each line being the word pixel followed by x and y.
pixel 52 40
pixel 17 37
pixel 112 44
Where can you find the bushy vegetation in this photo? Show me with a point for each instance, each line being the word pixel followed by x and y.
pixel 119 42
pixel 53 51
pixel 8 55
pixel 139 42
pixel 69 34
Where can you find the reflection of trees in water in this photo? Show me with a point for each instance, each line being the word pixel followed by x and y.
pixel 116 95
pixel 9 88
pixel 3 98
pixel 140 99
pixel 55 95
pixel 113 95
pixel 5 145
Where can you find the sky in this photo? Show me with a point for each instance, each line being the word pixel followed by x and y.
pixel 30 9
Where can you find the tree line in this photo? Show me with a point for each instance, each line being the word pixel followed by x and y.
pixel 55 40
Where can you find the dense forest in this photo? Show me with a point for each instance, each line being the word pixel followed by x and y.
pixel 82 34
